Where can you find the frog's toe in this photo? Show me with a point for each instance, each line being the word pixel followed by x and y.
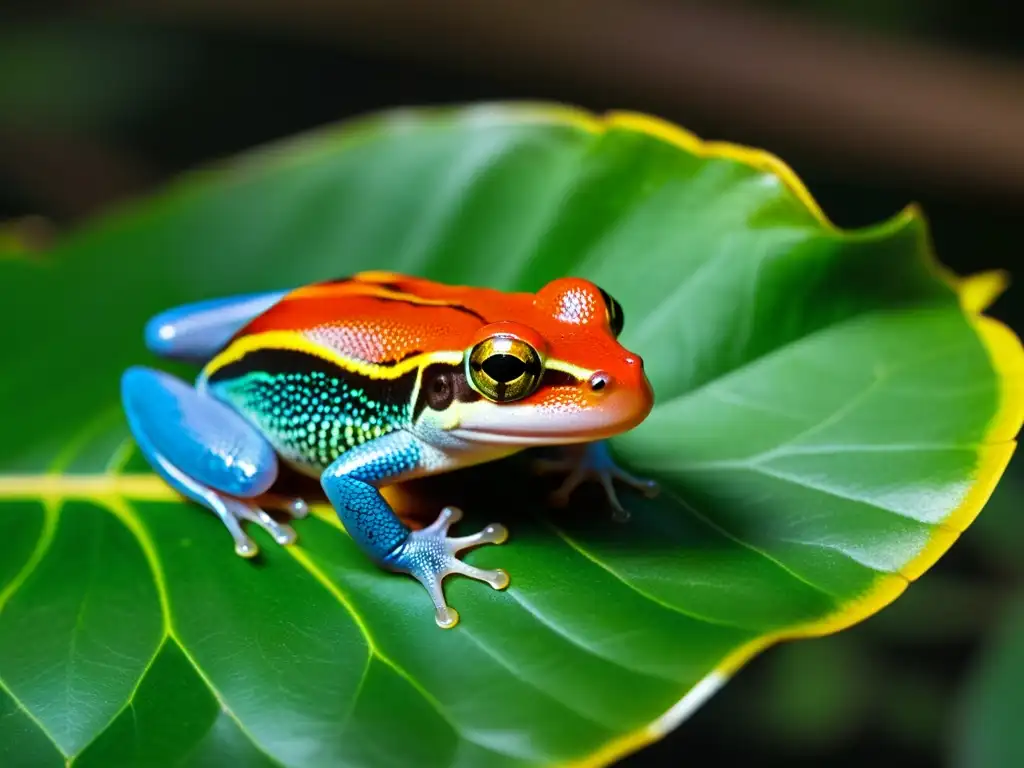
pixel 283 534
pixel 429 556
pixel 647 487
pixel 498 578
pixel 297 508
pixel 495 533
pixel 244 546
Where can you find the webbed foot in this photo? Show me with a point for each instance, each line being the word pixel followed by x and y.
pixel 236 511
pixel 592 461
pixel 429 555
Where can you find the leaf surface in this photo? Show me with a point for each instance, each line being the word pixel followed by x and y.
pixel 832 410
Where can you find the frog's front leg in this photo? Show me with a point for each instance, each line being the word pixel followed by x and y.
pixel 584 461
pixel 205 451
pixel 429 554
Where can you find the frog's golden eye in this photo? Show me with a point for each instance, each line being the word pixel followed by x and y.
pixel 615 317
pixel 504 368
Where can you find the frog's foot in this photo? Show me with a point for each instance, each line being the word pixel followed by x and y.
pixel 235 511
pixel 590 461
pixel 429 555
pixel 206 452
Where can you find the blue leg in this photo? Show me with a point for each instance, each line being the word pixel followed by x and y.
pixel 205 451
pixel 198 331
pixel 428 555
pixel 583 461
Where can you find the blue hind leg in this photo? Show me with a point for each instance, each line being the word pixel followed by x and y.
pixel 198 331
pixel 205 451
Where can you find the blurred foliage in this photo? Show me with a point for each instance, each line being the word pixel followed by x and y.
pixel 819 692
pixel 86 77
pixel 989 733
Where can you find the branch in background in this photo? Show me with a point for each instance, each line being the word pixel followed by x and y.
pixel 69 176
pixel 860 103
pixel 26 236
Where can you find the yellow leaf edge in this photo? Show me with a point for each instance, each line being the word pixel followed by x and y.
pixel 975 292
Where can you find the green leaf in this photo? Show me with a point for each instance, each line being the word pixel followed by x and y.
pixel 832 410
pixel 987 731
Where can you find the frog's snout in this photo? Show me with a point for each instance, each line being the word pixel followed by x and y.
pixel 624 393
pixel 632 375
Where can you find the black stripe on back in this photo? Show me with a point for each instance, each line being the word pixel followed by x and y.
pixel 417 305
pixel 397 288
pixel 278 362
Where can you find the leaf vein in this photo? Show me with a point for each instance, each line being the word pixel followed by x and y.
pixel 807 338
pixel 51 517
pixel 583 645
pixel 346 721
pixel 638 590
pixel 520 677
pixel 838 493
pixel 130 701
pixel 28 713
pixel 223 704
pixel 747 545
pixel 372 649
pixel 123 511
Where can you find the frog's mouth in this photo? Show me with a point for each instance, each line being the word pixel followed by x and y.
pixel 561 418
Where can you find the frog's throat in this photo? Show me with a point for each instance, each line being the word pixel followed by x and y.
pixel 538 425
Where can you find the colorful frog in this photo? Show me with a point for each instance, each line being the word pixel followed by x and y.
pixel 379 378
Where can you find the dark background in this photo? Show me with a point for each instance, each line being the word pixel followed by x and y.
pixel 875 103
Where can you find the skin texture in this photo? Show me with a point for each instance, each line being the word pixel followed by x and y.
pixel 380 378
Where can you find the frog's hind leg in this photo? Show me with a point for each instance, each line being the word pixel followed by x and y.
pixel 204 450
pixel 195 332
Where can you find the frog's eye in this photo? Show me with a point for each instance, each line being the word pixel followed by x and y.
pixel 504 368
pixel 616 319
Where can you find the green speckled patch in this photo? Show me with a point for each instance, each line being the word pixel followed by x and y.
pixel 311 410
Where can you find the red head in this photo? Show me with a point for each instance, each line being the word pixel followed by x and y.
pixel 556 373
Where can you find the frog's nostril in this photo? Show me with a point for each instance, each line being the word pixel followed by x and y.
pixel 600 381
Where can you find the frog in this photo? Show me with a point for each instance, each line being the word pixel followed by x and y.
pixel 378 378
